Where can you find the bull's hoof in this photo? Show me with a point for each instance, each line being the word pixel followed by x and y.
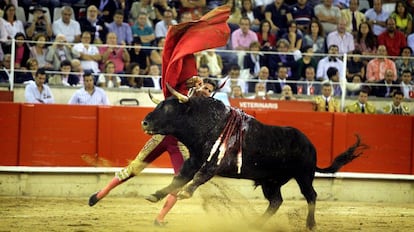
pixel 184 195
pixel 93 199
pixel 152 198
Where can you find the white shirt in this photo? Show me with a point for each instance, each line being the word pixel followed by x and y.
pixel 323 66
pixel 345 43
pixel 91 50
pixel 82 97
pixel 370 14
pixel 69 30
pixel 229 82
pixel 32 94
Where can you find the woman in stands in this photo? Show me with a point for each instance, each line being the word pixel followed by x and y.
pixel 403 19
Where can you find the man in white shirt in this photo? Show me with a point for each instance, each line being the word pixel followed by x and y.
pixel 331 60
pixel 343 39
pixel 37 91
pixel 67 26
pixel 89 94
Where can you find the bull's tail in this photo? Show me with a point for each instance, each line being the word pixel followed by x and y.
pixel 346 157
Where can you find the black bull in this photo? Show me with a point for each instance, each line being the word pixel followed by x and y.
pixel 270 155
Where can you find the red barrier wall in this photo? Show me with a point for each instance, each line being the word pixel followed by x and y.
pixel 65 135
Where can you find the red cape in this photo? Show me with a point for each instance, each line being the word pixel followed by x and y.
pixel 185 39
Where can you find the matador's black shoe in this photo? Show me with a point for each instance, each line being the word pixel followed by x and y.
pixel 93 199
pixel 152 198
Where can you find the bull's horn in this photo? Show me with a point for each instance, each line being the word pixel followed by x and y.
pixel 153 99
pixel 181 97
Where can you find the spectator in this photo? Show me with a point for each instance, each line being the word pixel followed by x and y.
pixel 410 41
pixel 294 36
pixel 139 56
pixel 393 39
pixel 253 60
pixel 161 6
pixel 377 66
pixel 64 78
pixel 88 53
pixel 278 15
pixel 260 92
pixel 333 76
pixel 40 23
pixel 12 25
pixel 142 30
pixel 376 17
pixel 67 26
pixel 366 40
pixel 203 71
pixel 233 78
pixel 353 17
pixel 5 69
pixel 109 79
pixel 404 61
pixel 38 51
pixel 22 51
pixel 186 17
pixel 287 93
pixel 354 86
pixel 396 107
pixel 282 58
pixel 254 15
pixel 403 19
pixel 77 69
pixel 315 37
pixel 94 24
pixel 407 84
pixel 282 80
pixel 133 80
pixel 145 7
pixel 302 13
pixel 106 8
pixel 122 30
pixel 355 66
pixel 89 94
pixel 332 60
pixel 236 92
pixel 340 37
pixel 117 54
pixel 310 86
pixel 37 91
pixel 243 37
pixel 361 106
pixel 155 80
pixel 307 60
pixel 235 14
pixel 266 38
pixel 326 102
pixel 27 73
pixel 213 61
pixel 386 87
pixel 59 51
pixel 264 77
pixel 196 8
pixel 156 53
pixel 328 15
pixel 162 26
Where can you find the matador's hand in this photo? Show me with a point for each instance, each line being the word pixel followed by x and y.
pixel 194 81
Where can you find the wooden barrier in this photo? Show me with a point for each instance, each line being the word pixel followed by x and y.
pixel 67 135
pixel 6 96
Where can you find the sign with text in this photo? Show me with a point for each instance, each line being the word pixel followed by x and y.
pixel 250 104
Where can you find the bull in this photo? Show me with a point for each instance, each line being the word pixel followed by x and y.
pixel 227 142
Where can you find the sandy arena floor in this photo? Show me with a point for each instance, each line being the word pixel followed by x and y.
pixel 208 213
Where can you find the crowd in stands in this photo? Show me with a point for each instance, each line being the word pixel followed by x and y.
pixel 281 47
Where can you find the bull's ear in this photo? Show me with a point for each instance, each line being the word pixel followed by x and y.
pixel 153 99
pixel 181 97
